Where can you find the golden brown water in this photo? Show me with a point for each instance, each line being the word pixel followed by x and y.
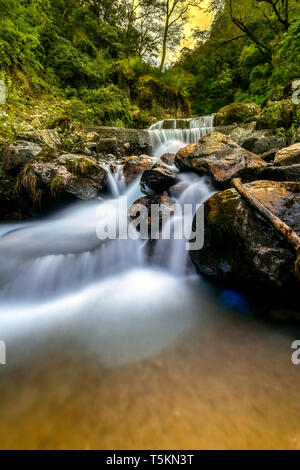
pixel 230 387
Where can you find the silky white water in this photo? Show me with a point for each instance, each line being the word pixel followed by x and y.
pixel 55 273
pixel 110 348
pixel 172 134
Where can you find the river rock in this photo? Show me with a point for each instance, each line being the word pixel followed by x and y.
pixel 219 157
pixel 157 180
pixel 111 145
pixel 261 142
pixel 288 156
pixel 68 177
pixel 177 189
pixel 135 166
pixel 258 142
pixel 168 158
pixel 17 154
pixel 152 219
pixel 270 155
pixel 241 249
pixel 281 173
pixel 236 113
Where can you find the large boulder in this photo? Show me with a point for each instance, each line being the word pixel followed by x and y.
pixel 44 183
pixel 236 113
pixel 241 249
pixel 135 166
pixel 17 154
pixel 218 156
pixel 288 156
pixel 259 142
pixel 157 180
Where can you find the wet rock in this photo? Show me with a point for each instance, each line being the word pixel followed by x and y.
pixel 135 141
pixel 43 184
pixel 262 142
pixel 258 142
pixel 157 180
pixel 177 189
pixel 241 249
pixel 112 146
pixel 135 166
pixel 152 211
pixel 168 158
pixel 236 113
pixel 218 156
pixel 270 155
pixel 17 154
pixel 288 156
pixel 281 173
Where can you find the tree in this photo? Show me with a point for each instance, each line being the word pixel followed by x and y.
pixel 248 25
pixel 281 10
pixel 141 24
pixel 174 16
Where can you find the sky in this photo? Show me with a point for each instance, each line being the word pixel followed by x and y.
pixel 198 19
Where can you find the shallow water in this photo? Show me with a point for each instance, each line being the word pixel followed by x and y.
pixel 107 350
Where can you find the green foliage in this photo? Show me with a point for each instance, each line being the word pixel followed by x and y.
pixel 105 105
pixel 231 66
pixel 90 56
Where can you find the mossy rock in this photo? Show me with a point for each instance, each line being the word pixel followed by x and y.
pixel 277 114
pixel 81 166
pixel 237 113
pixel 241 250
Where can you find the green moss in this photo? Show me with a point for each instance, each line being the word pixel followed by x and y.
pixel 82 167
pixel 28 181
pixel 237 113
pixel 56 185
pixel 45 155
pixel 279 114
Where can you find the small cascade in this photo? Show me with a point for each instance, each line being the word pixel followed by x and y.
pixel 115 180
pixel 170 135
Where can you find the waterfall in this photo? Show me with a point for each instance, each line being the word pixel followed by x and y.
pixel 170 135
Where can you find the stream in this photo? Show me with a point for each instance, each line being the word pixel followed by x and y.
pixel 107 347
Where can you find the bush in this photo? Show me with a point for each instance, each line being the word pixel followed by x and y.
pixel 106 105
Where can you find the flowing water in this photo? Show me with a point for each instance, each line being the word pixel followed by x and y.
pixel 108 348
pixel 172 134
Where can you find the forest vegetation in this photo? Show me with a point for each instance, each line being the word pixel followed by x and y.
pixel 105 62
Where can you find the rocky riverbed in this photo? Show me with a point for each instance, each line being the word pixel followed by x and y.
pixel 43 169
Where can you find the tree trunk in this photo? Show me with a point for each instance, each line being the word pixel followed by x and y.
pixel 164 49
pixel 281 227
